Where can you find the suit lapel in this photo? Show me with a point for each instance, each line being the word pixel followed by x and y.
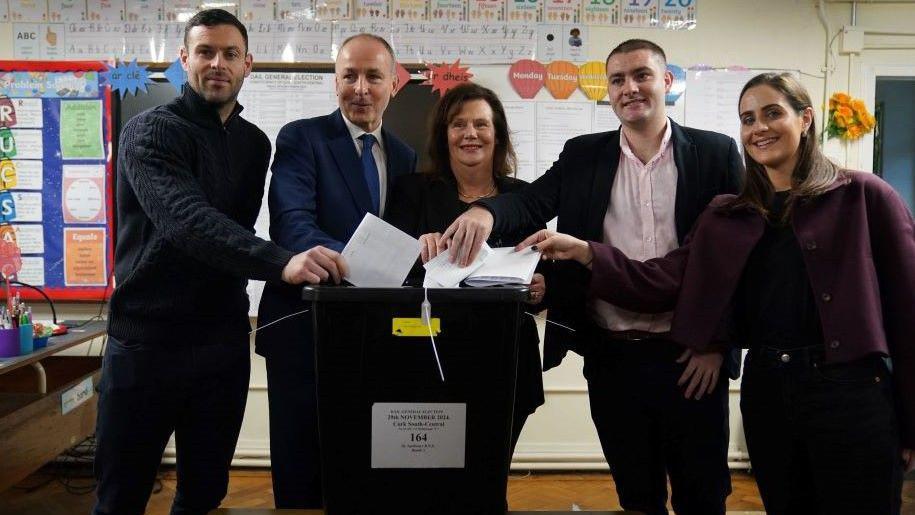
pixel 686 160
pixel 606 162
pixel 344 153
pixel 396 160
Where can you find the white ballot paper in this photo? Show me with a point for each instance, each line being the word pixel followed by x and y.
pixel 379 255
pixel 442 273
pixel 505 266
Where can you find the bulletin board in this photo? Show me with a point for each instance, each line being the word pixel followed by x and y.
pixel 56 204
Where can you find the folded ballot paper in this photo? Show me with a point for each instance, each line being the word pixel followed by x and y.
pixel 379 255
pixel 491 267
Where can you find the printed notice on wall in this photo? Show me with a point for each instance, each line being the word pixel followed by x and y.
pixel 83 193
pixel 27 144
pixel 30 238
pixel 32 270
pixel 29 174
pixel 28 10
pixel 28 206
pixel 447 10
pixel 27 112
pixel 81 129
pixel 142 10
pixel 84 256
pixel 522 118
pixel 418 435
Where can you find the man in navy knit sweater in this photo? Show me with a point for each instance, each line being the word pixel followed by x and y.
pixel 190 181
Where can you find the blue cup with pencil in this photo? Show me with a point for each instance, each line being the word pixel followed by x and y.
pixel 18 320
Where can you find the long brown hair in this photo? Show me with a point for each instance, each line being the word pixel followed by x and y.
pixel 813 173
pixel 504 160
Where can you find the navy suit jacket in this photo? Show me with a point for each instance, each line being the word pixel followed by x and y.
pixel 577 190
pixel 318 196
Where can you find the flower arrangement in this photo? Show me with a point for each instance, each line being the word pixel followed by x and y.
pixel 848 117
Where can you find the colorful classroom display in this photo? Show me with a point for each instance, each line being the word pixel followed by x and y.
pixel 55 165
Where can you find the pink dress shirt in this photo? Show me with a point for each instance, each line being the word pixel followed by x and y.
pixel 640 223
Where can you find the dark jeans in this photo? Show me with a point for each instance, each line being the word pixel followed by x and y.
pixel 150 390
pixel 822 438
pixel 649 431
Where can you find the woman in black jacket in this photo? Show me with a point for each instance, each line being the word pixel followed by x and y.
pixel 471 158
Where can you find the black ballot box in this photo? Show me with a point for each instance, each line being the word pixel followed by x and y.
pixel 405 430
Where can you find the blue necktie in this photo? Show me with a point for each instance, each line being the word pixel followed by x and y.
pixel 370 169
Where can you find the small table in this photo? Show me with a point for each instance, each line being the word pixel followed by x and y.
pixel 72 338
pixel 34 426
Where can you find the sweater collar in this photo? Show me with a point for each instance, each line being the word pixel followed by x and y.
pixel 202 112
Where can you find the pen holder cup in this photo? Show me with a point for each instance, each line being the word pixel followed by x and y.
pixel 25 339
pixel 40 342
pixel 9 343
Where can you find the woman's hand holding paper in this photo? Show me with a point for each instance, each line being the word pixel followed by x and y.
pixel 555 245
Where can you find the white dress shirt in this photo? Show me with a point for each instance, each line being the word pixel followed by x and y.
pixel 380 159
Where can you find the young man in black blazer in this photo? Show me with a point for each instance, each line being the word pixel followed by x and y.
pixel 660 411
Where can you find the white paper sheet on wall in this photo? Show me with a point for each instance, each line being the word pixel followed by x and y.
pixel 522 122
pixel 272 100
pixel 66 10
pixel 28 10
pixel 604 118
pixel 558 122
pixel 711 100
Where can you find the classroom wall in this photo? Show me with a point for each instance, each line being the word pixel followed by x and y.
pixel 754 33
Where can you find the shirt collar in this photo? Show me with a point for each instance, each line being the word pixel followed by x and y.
pixel 665 142
pixel 355 131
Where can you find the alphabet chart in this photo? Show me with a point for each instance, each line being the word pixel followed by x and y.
pixel 56 175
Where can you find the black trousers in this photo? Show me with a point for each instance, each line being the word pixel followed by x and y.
pixel 150 390
pixel 822 438
pixel 649 431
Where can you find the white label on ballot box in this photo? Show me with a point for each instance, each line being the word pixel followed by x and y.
pixel 418 435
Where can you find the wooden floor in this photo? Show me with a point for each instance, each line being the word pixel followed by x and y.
pixel 250 488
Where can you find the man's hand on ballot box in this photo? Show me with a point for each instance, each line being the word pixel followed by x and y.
pixel 315 265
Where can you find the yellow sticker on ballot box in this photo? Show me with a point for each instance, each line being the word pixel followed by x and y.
pixel 414 327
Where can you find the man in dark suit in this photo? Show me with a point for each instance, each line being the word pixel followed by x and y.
pixel 660 410
pixel 328 172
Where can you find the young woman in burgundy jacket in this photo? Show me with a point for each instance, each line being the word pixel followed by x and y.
pixel 812 269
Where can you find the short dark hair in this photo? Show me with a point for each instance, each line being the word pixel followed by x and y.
pixel 504 160
pixel 377 39
pixel 631 45
pixel 212 18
